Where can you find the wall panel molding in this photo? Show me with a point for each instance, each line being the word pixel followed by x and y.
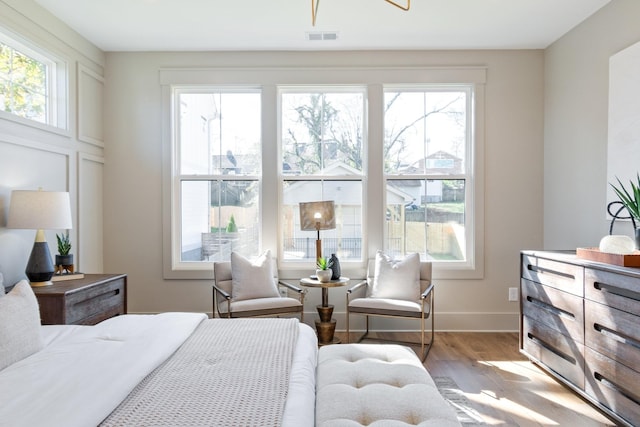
pixel 90 93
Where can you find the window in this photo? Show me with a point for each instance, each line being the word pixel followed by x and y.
pixel 217 156
pixel 427 141
pixel 398 150
pixel 323 153
pixel 32 83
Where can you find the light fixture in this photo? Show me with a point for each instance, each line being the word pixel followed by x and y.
pixel 40 210
pixel 316 3
pixel 317 216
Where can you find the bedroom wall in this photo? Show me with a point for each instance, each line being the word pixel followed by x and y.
pixel 71 159
pixel 513 177
pixel 576 115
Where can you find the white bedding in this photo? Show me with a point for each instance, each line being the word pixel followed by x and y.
pixel 84 372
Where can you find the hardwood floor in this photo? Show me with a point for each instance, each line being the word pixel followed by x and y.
pixel 503 386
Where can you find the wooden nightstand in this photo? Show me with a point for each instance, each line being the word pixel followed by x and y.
pixel 85 301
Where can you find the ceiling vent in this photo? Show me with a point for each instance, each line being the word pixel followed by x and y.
pixel 322 35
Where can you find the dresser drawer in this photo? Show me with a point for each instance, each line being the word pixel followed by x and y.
pixel 616 290
pixel 559 275
pixel 557 352
pixel 613 385
pixel 96 303
pixel 560 311
pixel 613 333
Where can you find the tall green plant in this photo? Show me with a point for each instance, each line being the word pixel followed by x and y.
pixel 64 245
pixel 630 199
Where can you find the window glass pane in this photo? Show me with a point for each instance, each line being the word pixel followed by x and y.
pixel 220 133
pixel 425 132
pixel 345 240
pixel 23 85
pixel 322 133
pixel 427 217
pixel 219 217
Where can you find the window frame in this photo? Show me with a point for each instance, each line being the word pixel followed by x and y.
pixel 467 176
pixel 177 264
pixel 321 178
pixel 57 93
pixel 375 79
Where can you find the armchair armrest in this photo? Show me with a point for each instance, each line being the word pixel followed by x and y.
pixel 292 287
pixel 427 291
pixel 301 292
pixel 357 291
pixel 222 292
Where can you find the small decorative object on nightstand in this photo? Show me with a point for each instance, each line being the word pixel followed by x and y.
pixel 64 260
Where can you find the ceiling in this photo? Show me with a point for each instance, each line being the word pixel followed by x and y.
pixel 178 25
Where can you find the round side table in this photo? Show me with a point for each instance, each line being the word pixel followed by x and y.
pixel 326 326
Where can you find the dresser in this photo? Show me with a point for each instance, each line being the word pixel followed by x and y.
pixel 85 301
pixel 580 321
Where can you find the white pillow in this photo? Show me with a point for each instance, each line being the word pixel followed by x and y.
pixel 396 280
pixel 251 280
pixel 20 331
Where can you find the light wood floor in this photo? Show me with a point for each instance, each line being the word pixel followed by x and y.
pixel 503 386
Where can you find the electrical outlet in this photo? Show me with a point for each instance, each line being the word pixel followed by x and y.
pixel 513 294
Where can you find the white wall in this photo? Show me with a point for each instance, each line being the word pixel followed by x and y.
pixel 513 176
pixel 62 160
pixel 576 116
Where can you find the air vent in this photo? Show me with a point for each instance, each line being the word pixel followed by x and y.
pixel 322 35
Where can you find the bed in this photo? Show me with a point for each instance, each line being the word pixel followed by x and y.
pixel 166 369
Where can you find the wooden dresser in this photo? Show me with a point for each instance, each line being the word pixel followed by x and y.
pixel 580 321
pixel 85 301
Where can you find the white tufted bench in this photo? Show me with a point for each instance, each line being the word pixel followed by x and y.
pixel 377 385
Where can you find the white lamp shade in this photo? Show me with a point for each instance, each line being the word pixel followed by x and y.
pixel 40 210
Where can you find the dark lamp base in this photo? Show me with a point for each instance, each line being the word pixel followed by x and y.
pixel 40 266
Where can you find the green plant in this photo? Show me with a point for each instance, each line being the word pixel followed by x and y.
pixel 324 263
pixel 630 199
pixel 64 245
pixel 232 227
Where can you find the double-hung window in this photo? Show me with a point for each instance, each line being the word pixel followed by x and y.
pixel 427 171
pixel 32 83
pixel 216 186
pixel 323 157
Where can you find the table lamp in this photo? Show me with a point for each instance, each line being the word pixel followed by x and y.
pixel 40 210
pixel 317 216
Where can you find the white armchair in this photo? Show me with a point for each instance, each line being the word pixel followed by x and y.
pixel 394 302
pixel 253 295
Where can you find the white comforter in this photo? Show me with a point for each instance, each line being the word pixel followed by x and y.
pixel 84 372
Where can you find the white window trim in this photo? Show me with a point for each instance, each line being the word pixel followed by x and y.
pixel 374 78
pixel 57 77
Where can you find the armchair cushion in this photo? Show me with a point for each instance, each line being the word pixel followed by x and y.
pixel 396 280
pixel 251 280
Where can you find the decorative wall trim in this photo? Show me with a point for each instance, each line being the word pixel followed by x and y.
pixel 90 109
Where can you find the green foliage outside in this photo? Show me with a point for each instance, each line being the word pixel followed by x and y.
pixel 23 83
pixel 231 227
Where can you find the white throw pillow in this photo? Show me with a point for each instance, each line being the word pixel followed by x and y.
pixel 396 280
pixel 20 330
pixel 251 280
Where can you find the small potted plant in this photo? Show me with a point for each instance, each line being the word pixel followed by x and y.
pixel 631 201
pixel 323 270
pixel 64 259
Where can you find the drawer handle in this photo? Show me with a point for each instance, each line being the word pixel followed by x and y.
pixel 550 308
pixel 622 338
pixel 615 290
pixel 542 270
pixel 552 349
pixel 615 387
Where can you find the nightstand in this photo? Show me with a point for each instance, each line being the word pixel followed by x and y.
pixel 85 301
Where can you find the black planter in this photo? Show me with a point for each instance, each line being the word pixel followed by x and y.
pixel 64 260
pixel 638 238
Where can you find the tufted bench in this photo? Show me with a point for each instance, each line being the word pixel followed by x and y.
pixel 377 385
